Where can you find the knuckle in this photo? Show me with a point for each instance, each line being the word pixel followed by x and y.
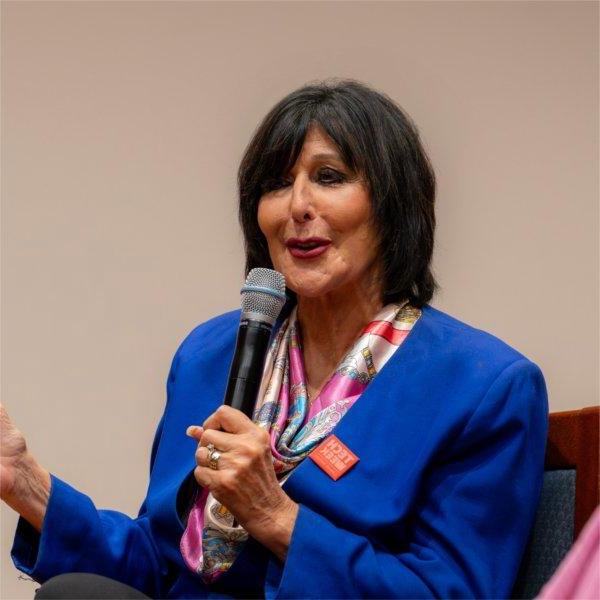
pixel 245 447
pixel 249 454
pixel 244 463
pixel 260 442
pixel 256 452
pixel 198 476
pixel 228 482
pixel 264 437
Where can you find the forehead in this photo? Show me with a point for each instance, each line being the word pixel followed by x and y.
pixel 317 144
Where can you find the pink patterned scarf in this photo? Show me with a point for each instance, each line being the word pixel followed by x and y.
pixel 212 539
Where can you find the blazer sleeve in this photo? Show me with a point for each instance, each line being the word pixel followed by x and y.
pixel 467 532
pixel 77 537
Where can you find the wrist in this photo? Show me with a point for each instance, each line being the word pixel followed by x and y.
pixel 275 531
pixel 31 491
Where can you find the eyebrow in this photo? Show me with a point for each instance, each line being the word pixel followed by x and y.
pixel 325 156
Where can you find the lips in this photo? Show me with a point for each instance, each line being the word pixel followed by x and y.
pixel 307 247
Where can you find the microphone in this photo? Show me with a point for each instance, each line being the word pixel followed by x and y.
pixel 263 297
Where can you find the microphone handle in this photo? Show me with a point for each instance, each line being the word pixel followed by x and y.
pixel 247 365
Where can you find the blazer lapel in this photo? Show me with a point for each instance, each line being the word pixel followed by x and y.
pixel 370 427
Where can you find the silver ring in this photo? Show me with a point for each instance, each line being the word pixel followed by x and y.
pixel 213 458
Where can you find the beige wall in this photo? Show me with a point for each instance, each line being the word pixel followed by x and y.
pixel 122 127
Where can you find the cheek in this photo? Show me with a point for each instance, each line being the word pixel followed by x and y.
pixel 263 219
pixel 360 250
pixel 270 221
pixel 359 240
pixel 270 217
pixel 352 222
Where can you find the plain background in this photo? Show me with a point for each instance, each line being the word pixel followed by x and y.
pixel 122 128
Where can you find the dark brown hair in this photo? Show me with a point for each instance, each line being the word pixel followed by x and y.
pixel 375 138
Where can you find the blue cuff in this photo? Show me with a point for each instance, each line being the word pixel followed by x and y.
pixel 326 561
pixel 287 580
pixel 42 555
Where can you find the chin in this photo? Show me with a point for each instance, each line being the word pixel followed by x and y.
pixel 309 282
pixel 308 290
pixel 309 293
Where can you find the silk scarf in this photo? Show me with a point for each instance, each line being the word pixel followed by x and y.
pixel 212 538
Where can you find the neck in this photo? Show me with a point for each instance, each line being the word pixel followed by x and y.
pixel 330 324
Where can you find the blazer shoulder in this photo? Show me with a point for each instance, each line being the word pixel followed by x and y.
pixel 487 373
pixel 463 339
pixel 210 336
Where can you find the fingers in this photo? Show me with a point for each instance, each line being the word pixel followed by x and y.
pixel 226 461
pixel 205 476
pixel 4 418
pixel 194 431
pixel 224 441
pixel 202 457
pixel 220 439
pixel 229 419
pixel 225 419
pixel 242 445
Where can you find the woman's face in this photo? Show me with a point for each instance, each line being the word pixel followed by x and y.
pixel 317 222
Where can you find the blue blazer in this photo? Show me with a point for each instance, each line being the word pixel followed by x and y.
pixel 450 437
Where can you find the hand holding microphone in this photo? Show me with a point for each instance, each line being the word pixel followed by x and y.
pixel 242 477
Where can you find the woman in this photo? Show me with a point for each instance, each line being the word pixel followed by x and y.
pixel 394 451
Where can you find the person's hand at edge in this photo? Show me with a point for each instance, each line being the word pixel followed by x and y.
pixel 24 483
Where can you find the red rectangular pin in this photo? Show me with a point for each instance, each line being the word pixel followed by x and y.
pixel 334 457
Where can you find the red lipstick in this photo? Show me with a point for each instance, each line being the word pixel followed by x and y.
pixel 307 247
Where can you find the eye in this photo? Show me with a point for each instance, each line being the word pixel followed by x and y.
pixel 330 176
pixel 275 183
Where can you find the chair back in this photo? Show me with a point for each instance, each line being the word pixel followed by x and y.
pixel 570 493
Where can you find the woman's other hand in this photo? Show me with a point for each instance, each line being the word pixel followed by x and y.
pixel 24 484
pixel 245 481
pixel 12 453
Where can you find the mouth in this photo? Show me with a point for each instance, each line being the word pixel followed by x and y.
pixel 307 247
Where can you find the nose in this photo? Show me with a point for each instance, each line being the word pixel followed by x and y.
pixel 301 202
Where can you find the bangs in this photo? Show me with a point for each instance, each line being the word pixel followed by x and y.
pixel 283 141
pixel 282 145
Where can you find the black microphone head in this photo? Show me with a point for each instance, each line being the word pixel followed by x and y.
pixel 263 295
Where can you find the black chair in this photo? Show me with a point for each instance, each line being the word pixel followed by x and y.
pixel 570 493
